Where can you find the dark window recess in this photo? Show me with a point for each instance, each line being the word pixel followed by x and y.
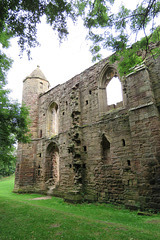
pixel 123 143
pixel 39 170
pixel 86 102
pixel 40 134
pixel 40 155
pixel 106 155
pixel 63 113
pixel 90 92
pixel 69 151
pixel 43 114
pixel 84 165
pixel 85 148
pixel 70 165
pixel 66 103
pixel 17 168
pixel 129 162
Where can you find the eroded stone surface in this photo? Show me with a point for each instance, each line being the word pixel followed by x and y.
pixel 83 149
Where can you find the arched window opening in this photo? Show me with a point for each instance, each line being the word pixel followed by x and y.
pixel 52 165
pixel 110 88
pixel 106 155
pixel 52 125
pixel 114 91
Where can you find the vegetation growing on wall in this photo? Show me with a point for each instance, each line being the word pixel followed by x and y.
pixel 130 57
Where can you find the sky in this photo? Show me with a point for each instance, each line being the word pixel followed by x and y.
pixel 59 63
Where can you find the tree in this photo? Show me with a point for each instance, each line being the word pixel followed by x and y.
pixel 22 16
pixel 114 29
pixel 13 117
pixel 119 31
pixel 13 127
pixel 106 29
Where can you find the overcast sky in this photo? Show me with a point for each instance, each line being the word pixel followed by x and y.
pixel 59 63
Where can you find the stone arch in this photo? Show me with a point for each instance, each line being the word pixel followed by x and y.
pixel 52 164
pixel 108 73
pixel 52 119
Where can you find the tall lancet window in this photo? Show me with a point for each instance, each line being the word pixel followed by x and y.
pixel 52 126
pixel 109 89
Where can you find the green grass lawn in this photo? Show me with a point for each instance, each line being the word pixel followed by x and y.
pixel 23 218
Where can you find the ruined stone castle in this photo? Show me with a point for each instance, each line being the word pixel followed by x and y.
pixel 84 149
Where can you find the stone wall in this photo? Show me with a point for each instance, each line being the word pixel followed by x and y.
pixel 98 152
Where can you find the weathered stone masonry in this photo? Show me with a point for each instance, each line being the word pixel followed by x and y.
pixel 83 149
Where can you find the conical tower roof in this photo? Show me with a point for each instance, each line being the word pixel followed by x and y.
pixel 37 73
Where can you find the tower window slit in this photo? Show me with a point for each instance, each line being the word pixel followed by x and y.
pixel 123 143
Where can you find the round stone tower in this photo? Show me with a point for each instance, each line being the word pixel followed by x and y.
pixel 33 85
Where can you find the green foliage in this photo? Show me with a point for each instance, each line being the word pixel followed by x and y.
pixel 81 5
pixel 4 38
pixel 13 125
pixel 22 17
pixel 97 15
pixel 13 117
pixel 14 122
pixel 7 168
pixel 128 58
pixel 117 44
pixel 5 62
pixel 55 219
pixel 115 29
